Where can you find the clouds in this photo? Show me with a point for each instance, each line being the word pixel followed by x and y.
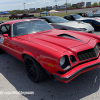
pixel 18 4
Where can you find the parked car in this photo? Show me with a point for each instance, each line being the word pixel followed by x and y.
pixel 14 16
pixel 26 16
pixel 89 14
pixel 61 23
pixel 95 22
pixel 63 54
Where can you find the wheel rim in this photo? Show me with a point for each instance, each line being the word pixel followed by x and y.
pixel 31 70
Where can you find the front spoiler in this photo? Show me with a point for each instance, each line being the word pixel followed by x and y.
pixel 74 72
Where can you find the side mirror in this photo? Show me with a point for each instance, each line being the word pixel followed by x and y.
pixel 5 35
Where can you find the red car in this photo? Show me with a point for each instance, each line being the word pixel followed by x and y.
pixel 62 54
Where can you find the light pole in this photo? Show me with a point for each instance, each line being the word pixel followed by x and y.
pixel 56 4
pixel 66 6
pixel 24 6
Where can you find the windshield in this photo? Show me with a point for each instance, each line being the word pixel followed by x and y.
pixel 57 20
pixel 28 27
pixel 77 16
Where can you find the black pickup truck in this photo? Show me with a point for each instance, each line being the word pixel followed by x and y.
pixel 14 16
pixel 20 16
pixel 26 16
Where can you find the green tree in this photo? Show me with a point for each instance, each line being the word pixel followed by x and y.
pixel 95 4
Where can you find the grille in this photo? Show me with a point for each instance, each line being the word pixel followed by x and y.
pixel 88 54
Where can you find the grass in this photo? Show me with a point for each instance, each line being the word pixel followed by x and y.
pixel 52 14
pixel 4 18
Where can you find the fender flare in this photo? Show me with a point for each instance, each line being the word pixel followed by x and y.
pixel 28 53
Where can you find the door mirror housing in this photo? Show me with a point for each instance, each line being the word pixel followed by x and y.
pixel 5 35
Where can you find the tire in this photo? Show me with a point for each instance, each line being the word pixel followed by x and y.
pixel 1 51
pixel 34 70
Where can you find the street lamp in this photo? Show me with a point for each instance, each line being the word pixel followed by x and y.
pixel 56 4
pixel 24 6
pixel 66 6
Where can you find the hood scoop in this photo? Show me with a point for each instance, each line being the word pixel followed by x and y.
pixel 69 36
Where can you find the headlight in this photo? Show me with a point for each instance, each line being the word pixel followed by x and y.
pixel 81 29
pixel 72 59
pixel 96 49
pixel 64 62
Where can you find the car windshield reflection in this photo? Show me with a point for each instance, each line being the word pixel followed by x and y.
pixel 28 27
pixel 56 19
pixel 77 16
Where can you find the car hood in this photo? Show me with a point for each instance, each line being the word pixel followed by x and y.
pixel 86 18
pixel 75 24
pixel 60 40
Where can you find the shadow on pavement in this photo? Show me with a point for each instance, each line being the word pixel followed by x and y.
pixel 82 86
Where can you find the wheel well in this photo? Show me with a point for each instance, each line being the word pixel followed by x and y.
pixel 30 56
pixel 37 62
pixel 23 55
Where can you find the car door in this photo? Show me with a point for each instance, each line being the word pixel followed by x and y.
pixel 7 43
pixel 4 41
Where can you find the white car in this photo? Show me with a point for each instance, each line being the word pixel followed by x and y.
pixel 61 23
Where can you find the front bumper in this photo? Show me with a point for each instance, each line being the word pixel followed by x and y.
pixel 89 31
pixel 77 70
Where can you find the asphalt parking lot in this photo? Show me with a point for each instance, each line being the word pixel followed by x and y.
pixel 14 83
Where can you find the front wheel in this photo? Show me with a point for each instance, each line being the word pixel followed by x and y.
pixel 34 70
pixel 1 51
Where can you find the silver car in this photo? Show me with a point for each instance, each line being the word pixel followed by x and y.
pixel 61 23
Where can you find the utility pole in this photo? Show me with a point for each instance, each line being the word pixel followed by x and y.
pixel 66 6
pixel 24 6
pixel 56 4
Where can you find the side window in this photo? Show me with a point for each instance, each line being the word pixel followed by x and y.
pixel 72 18
pixel 68 17
pixel 5 29
pixel 8 26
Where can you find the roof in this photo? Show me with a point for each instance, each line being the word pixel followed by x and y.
pixel 20 20
pixel 71 14
pixel 44 12
pixel 48 16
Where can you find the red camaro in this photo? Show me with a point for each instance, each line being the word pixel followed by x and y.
pixel 62 54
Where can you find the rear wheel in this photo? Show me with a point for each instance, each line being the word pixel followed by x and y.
pixel 34 70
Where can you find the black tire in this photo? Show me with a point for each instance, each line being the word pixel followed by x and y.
pixel 1 51
pixel 34 70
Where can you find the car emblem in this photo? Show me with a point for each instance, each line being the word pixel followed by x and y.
pixel 90 44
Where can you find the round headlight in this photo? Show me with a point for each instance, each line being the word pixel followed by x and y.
pixel 62 61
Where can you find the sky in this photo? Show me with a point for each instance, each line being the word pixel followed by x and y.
pixel 6 5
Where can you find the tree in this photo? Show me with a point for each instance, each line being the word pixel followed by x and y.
pixel 95 4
